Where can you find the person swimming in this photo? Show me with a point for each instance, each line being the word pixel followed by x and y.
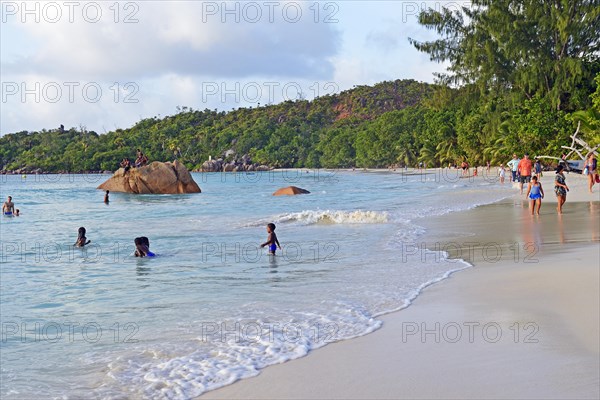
pixel 142 247
pixel 81 239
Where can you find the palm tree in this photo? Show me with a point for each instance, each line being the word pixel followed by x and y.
pixel 447 151
pixel 428 155
pixel 406 155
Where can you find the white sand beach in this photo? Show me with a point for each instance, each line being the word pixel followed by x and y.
pixel 523 322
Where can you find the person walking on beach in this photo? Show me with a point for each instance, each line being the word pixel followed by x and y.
pixel 514 167
pixel 537 168
pixel 501 173
pixel 465 168
pixel 535 193
pixel 591 164
pixel 271 239
pixel 524 167
pixel 8 208
pixel 560 188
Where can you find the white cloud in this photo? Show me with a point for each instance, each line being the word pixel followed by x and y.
pixel 176 37
pixel 189 54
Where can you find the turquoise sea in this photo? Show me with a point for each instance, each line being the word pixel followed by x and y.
pixel 212 307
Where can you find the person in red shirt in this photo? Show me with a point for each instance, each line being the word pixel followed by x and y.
pixel 525 167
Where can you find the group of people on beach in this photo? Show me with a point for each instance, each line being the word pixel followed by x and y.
pixel 522 170
pixel 525 171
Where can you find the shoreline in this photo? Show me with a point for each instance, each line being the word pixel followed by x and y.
pixel 391 363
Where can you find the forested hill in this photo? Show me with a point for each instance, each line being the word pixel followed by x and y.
pixel 400 122
pixel 289 134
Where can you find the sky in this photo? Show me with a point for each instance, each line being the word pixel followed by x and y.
pixel 103 65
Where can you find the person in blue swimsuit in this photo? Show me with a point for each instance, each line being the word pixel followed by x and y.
pixel 8 208
pixel 142 247
pixel 535 193
pixel 271 240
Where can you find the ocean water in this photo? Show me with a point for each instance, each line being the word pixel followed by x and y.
pixel 213 307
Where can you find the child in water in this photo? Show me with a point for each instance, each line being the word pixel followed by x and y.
pixel 535 193
pixel 142 247
pixel 272 239
pixel 81 239
pixel 106 200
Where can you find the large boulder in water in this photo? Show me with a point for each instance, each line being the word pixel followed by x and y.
pixel 156 178
pixel 290 190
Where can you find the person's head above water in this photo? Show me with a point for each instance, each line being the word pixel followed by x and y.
pixel 142 240
pixel 81 232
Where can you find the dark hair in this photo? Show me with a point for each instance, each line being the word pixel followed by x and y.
pixel 107 192
pixel 142 240
pixel 559 168
pixel 271 226
pixel 81 232
pixel 534 178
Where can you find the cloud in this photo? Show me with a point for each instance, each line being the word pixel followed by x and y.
pixel 213 55
pixel 179 37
